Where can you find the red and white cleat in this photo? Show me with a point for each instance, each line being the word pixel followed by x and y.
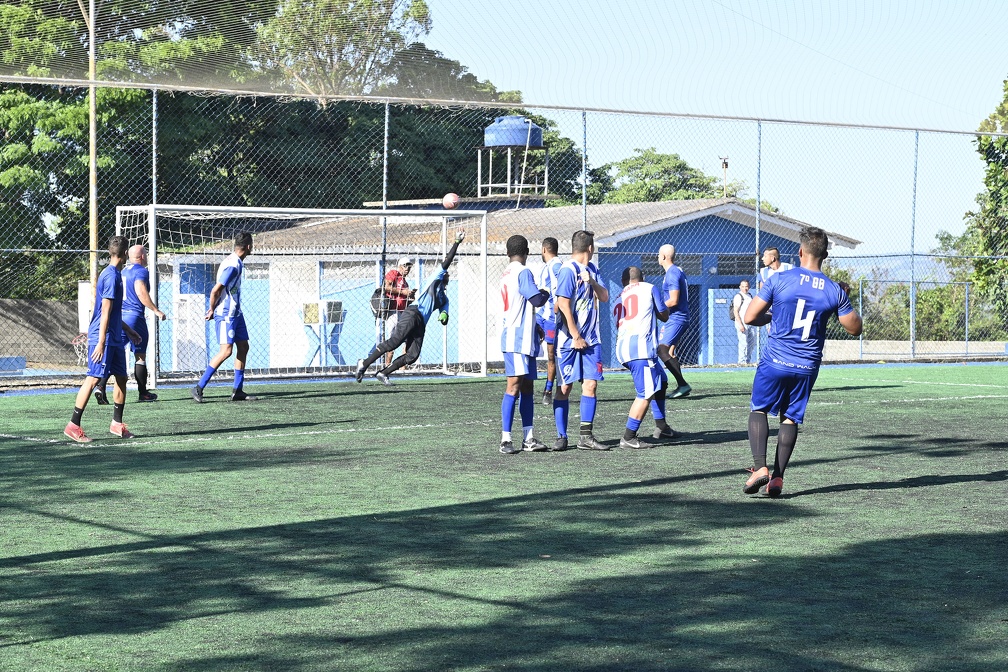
pixel 76 433
pixel 120 430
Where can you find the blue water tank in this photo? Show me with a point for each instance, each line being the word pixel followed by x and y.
pixel 512 131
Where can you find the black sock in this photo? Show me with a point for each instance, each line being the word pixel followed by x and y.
pixel 672 364
pixel 102 383
pixel 586 429
pixel 759 431
pixel 117 411
pixel 140 372
pixel 661 424
pixel 787 435
pixel 629 434
pixel 78 412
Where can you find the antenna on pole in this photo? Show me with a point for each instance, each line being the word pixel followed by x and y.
pixel 724 164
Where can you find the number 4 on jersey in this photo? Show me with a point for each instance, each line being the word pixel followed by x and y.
pixel 805 322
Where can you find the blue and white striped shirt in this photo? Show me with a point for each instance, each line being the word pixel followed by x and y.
pixel 229 275
pixel 548 281
pixel 637 333
pixel 518 290
pixel 584 307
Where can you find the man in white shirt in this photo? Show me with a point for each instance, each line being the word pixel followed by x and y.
pixel 746 333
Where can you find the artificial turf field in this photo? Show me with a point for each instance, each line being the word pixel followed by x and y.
pixel 336 526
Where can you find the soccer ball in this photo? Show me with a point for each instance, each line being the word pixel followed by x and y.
pixel 450 201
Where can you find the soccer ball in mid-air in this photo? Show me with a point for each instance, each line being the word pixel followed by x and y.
pixel 450 201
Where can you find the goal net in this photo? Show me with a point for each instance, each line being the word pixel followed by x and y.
pixel 308 287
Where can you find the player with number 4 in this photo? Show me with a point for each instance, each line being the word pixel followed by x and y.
pixel 802 299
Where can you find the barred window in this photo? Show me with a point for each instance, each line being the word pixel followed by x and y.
pixel 736 264
pixel 256 271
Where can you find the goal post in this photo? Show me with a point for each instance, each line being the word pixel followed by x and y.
pixel 307 286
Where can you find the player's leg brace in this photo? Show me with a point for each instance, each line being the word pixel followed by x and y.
pixel 759 432
pixel 787 436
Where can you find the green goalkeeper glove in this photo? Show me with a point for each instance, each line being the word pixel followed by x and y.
pixel 443 317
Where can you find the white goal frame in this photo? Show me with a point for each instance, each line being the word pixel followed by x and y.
pixel 152 211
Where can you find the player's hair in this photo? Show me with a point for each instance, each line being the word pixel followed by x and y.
pixel 774 250
pixel 636 275
pixel 117 246
pixel 625 277
pixel 243 239
pixel 582 240
pixel 551 245
pixel 517 246
pixel 815 242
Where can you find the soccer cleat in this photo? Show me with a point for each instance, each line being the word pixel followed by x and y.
pixel 383 379
pixel 508 448
pixel 534 445
pixel 560 444
pixel 197 394
pixel 630 443
pixel 76 432
pixel 148 396
pixel 664 434
pixel 753 485
pixel 240 395
pixel 101 397
pixel 359 374
pixel 119 429
pixel 589 442
pixel 681 391
pixel 547 398
pixel 774 487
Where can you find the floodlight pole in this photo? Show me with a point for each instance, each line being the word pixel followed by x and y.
pixel 913 256
pixel 584 170
pixel 92 147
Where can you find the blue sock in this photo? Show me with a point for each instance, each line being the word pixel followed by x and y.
pixel 526 406
pixel 239 378
pixel 587 409
pixel 549 385
pixel 658 409
pixel 633 425
pixel 206 376
pixel 507 412
pixel 561 408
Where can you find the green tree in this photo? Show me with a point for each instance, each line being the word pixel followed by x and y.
pixel 338 47
pixel 426 74
pixel 651 176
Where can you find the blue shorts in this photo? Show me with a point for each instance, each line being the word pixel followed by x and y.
pixel 112 364
pixel 138 323
pixel 518 365
pixel 579 365
pixel 230 329
pixel 648 377
pixel 786 393
pixel 672 331
pixel 548 327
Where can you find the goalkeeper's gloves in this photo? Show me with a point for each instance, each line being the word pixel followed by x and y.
pixel 443 317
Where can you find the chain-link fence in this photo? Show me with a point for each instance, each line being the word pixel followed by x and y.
pixel 636 180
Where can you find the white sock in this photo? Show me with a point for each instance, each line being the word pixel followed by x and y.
pixel 528 432
pixel 505 436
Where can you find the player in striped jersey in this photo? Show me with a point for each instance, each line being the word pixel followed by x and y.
pixel 546 315
pixel 579 353
pixel 229 321
pixel 637 349
pixel 520 345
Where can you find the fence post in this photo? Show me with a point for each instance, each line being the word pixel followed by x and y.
pixel 584 170
pixel 967 317
pixel 913 256
pixel 759 166
pixel 153 324
pixel 860 310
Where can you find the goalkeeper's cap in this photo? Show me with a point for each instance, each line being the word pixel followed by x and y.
pixel 405 261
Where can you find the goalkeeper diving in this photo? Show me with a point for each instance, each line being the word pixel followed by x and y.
pixel 412 324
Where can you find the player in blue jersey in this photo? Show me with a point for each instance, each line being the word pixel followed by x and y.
pixel 675 292
pixel 797 304
pixel 637 349
pixel 546 316
pixel 579 350
pixel 106 352
pixel 519 345
pixel 229 321
pixel 136 298
pixel 412 324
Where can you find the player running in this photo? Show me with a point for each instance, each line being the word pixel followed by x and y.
pixel 579 353
pixel 520 345
pixel 637 349
pixel 546 315
pixel 229 321
pixel 802 299
pixel 412 324
pixel 136 298
pixel 106 351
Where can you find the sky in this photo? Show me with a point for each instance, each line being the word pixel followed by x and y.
pixel 927 66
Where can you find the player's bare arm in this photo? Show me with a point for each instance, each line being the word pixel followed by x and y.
pixel 215 296
pixel 851 322
pixel 601 293
pixel 756 313
pixel 132 334
pixel 563 305
pixel 140 287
